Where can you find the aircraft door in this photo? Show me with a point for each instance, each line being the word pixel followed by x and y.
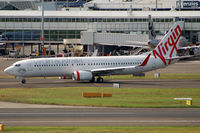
pixel 30 67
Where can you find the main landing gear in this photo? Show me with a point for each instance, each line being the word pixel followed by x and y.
pixel 23 81
pixel 99 80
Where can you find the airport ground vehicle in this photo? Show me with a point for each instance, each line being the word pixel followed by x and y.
pixel 3 49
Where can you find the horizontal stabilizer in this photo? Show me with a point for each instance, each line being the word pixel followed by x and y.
pixel 180 57
pixel 189 47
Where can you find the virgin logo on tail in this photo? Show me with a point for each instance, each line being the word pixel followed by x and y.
pixel 167 46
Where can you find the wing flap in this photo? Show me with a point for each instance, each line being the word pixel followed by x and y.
pixel 113 69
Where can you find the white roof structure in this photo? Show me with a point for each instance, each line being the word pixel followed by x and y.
pixel 136 3
pixel 105 14
pixel 140 4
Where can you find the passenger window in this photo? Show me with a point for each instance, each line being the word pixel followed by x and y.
pixel 17 65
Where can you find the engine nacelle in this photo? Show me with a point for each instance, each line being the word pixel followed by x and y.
pixel 82 75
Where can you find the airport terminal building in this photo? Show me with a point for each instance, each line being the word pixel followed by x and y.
pixel 24 26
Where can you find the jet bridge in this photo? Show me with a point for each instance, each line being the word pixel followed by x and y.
pixel 118 39
pixel 107 42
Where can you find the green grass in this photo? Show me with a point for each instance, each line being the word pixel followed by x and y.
pixel 122 97
pixel 101 130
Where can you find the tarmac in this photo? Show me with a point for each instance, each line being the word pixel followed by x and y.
pixel 100 117
pixel 153 83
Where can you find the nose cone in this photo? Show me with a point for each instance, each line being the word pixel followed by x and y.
pixel 8 70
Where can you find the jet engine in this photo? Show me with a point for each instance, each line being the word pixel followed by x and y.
pixel 82 75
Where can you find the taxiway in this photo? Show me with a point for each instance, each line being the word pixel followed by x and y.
pixel 100 117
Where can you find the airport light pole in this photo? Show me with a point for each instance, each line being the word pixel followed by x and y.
pixel 179 5
pixel 42 29
pixel 156 5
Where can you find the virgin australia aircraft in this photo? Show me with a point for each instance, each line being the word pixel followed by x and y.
pixel 87 68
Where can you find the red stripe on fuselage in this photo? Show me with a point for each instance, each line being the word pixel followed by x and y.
pixel 146 60
pixel 78 75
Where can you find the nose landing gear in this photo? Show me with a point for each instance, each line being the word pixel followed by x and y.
pixel 23 81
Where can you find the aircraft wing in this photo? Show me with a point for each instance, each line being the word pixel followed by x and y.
pixel 110 70
pixel 120 45
pixel 189 47
pixel 114 69
pixel 137 43
pixel 181 57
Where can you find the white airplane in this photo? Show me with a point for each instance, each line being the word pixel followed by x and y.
pixel 87 68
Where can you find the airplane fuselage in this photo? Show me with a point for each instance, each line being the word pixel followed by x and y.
pixel 65 66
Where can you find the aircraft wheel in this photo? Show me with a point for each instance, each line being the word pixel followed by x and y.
pixel 23 81
pixel 99 80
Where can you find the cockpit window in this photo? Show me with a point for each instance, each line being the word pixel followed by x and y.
pixel 17 65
